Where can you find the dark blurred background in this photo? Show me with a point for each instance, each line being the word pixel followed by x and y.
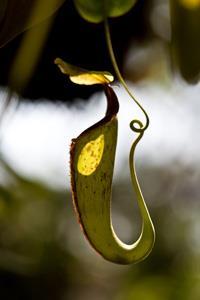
pixel 80 43
pixel 43 253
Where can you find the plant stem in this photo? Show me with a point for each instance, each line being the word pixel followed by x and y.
pixel 121 79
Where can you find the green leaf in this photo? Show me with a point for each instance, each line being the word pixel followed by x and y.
pixel 17 16
pixel 96 10
pixel 92 164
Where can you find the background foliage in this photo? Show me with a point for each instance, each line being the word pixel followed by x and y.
pixel 43 254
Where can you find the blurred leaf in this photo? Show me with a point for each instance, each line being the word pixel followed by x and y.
pixel 192 4
pixel 17 16
pixel 96 11
pixel 185 22
pixel 82 76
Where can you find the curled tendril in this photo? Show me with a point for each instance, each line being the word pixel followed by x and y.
pixel 137 129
